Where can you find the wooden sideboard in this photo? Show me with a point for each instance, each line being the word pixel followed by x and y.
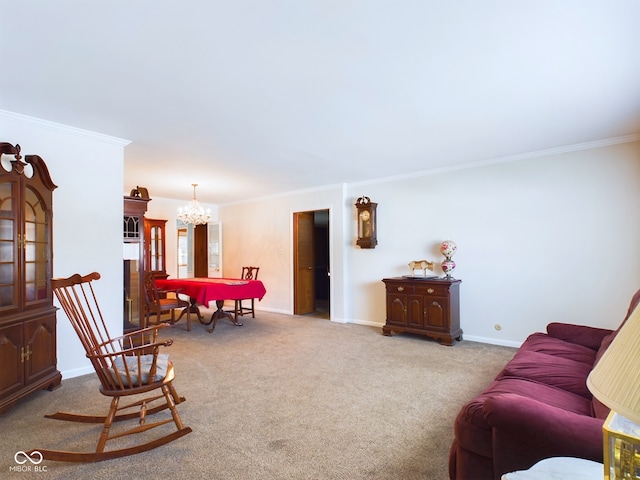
pixel 428 307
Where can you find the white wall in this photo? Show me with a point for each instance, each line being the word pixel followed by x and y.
pixel 87 215
pixel 541 239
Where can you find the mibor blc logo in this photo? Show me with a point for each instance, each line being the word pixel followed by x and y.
pixel 28 463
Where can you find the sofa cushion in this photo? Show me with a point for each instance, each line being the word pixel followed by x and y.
pixel 581 334
pixel 543 343
pixel 560 372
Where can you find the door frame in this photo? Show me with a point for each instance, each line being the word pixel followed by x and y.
pixel 329 253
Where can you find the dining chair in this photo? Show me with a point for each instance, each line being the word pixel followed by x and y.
pixel 158 302
pixel 248 273
pixel 127 366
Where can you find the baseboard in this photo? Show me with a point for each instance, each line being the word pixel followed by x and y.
pixel 77 372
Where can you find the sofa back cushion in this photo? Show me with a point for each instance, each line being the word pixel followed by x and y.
pixel 553 370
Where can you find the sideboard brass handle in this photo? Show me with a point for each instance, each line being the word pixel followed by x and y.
pixel 429 290
pixel 401 289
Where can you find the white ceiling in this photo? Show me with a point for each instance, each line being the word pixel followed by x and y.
pixel 254 97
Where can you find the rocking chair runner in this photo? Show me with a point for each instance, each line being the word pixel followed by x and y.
pixel 126 366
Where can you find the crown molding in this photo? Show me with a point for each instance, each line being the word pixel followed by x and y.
pixel 322 188
pixel 509 158
pixel 58 127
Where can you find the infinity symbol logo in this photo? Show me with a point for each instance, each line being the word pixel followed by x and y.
pixel 22 457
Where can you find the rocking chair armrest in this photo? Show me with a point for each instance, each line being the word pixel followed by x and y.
pixel 150 331
pixel 145 330
pixel 140 339
pixel 138 350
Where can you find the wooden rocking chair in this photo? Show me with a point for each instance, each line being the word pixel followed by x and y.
pixel 126 366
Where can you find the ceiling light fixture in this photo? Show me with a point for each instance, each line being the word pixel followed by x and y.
pixel 194 212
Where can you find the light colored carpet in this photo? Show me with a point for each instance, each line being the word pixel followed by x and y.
pixel 282 397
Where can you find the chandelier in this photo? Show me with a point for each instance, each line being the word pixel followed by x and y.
pixel 194 212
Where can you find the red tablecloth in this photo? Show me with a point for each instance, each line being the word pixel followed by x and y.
pixel 205 290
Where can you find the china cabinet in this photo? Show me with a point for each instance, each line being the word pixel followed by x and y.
pixel 28 360
pixel 155 247
pixel 134 262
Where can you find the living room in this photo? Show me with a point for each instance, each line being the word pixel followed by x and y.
pixel 527 233
pixel 543 234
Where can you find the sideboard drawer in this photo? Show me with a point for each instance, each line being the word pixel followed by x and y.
pixel 400 288
pixel 433 290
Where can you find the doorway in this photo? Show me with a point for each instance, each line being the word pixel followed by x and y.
pixel 199 250
pixel 311 273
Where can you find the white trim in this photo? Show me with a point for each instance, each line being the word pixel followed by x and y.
pixel 509 158
pixel 367 323
pixel 463 166
pixel 492 341
pixel 58 127
pixel 274 310
pixel 77 372
pixel 285 194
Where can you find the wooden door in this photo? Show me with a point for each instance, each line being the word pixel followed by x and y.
pixel 303 263
pixel 200 251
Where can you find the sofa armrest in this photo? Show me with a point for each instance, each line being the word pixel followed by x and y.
pixel 590 337
pixel 526 431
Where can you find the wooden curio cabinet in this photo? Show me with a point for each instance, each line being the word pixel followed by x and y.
pixel 428 307
pixel 28 359
pixel 134 262
pixel 155 250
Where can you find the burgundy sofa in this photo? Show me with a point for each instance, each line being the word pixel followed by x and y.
pixel 537 407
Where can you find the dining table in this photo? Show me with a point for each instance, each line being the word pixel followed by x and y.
pixel 203 290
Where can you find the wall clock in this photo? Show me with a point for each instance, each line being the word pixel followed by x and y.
pixel 367 229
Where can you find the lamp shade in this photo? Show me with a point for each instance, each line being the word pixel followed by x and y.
pixel 615 380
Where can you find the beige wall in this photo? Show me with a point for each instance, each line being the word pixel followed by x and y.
pixel 261 233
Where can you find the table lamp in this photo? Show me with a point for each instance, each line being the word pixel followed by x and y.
pixel 615 381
